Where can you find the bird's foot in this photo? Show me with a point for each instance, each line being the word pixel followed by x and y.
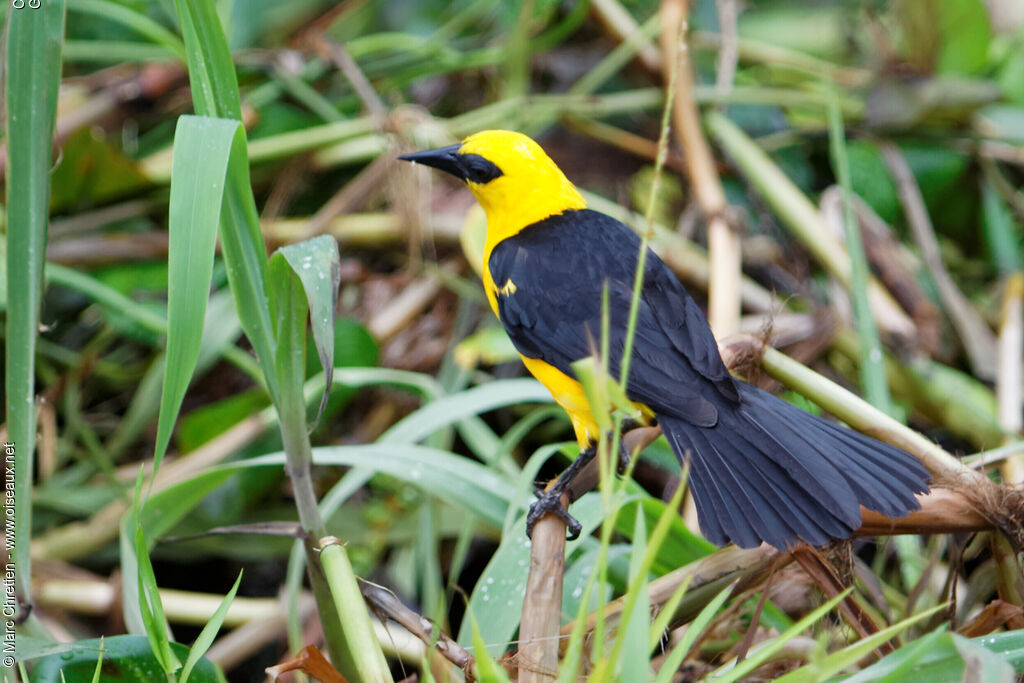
pixel 549 501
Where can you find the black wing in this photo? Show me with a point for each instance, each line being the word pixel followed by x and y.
pixel 559 266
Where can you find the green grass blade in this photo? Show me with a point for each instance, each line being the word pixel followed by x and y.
pixel 693 631
pixel 202 152
pixel 487 670
pixel 943 656
pixel 136 21
pixel 759 657
pixel 209 632
pixel 450 409
pixel 633 663
pixel 317 264
pixel 149 604
pixel 211 72
pixel 1002 234
pixel 838 661
pixel 289 308
pixel 32 74
pixel 99 664
pixel 151 607
pixel 872 361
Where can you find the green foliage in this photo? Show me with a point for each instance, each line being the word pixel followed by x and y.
pixel 939 657
pixel 433 505
pixel 126 659
pixel 31 80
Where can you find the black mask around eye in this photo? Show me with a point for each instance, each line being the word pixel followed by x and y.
pixel 469 167
pixel 478 169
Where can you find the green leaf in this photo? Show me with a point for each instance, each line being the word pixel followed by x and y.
pixel 690 636
pixel 209 632
pixel 151 606
pixel 215 93
pixel 941 656
pixel 965 36
pixel 203 151
pixel 850 655
pixel 318 266
pixel 136 21
pixel 211 72
pixel 487 669
pixel 634 663
pixel 126 659
pixel 1002 233
pixel 450 409
pixel 680 547
pixel 31 80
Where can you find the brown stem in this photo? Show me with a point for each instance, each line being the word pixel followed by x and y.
pixel 723 243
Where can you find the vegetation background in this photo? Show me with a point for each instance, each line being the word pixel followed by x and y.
pixel 854 167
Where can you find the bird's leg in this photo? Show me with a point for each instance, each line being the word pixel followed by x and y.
pixel 549 500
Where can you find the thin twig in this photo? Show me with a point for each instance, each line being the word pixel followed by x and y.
pixel 340 57
pixel 620 23
pixel 728 50
pixel 979 341
pixel 387 606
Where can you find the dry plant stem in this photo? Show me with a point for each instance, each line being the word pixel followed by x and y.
pixel 889 258
pixel 349 198
pixel 539 640
pixel 620 24
pixel 723 243
pixel 1009 379
pixel 978 340
pixel 537 658
pixel 943 511
pixel 800 216
pixel 340 57
pixel 181 607
pixel 728 52
pixel 394 317
pixel 623 139
pixel 828 580
pixel 386 606
pixel 361 229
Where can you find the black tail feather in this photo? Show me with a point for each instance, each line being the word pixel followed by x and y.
pixel 769 471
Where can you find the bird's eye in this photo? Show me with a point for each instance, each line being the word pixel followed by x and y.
pixel 478 169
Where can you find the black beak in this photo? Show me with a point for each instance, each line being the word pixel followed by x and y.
pixel 446 159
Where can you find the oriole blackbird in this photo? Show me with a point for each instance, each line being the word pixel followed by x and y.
pixel 761 468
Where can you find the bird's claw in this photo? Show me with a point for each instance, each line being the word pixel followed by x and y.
pixel 550 502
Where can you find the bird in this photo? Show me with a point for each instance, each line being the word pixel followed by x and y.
pixel 761 469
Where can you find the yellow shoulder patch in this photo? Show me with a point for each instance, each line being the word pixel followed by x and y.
pixel 508 289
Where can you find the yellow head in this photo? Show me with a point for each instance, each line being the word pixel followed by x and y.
pixel 510 175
